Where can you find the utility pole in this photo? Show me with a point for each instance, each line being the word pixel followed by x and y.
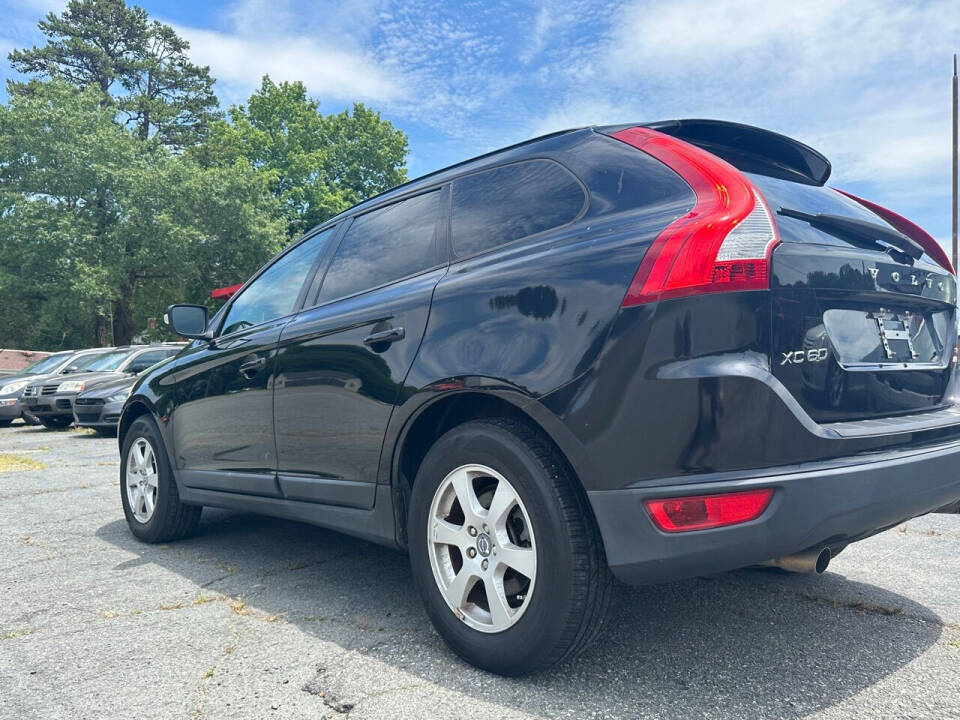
pixel 954 178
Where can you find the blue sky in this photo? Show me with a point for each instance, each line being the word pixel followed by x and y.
pixel 867 82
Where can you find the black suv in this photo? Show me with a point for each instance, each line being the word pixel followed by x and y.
pixel 651 351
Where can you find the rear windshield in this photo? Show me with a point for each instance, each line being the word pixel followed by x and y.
pixel 811 199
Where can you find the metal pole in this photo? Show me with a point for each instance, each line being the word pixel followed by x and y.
pixel 954 177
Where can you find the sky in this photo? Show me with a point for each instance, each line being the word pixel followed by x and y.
pixel 866 82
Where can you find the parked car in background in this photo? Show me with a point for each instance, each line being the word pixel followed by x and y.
pixel 99 406
pixel 51 399
pixel 582 356
pixel 12 386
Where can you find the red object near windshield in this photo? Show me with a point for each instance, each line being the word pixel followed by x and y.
pixel 225 293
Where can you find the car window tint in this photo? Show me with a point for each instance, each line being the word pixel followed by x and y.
pixel 507 203
pixel 82 362
pixel 43 365
pixel 274 293
pixel 108 362
pixel 384 245
pixel 150 358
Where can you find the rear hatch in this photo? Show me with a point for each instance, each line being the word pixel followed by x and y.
pixel 863 323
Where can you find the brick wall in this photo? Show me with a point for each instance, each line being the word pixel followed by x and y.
pixel 13 360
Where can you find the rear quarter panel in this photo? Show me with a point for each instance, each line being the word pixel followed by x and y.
pixel 530 317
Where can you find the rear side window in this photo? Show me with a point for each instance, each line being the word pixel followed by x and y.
pixel 508 203
pixel 385 245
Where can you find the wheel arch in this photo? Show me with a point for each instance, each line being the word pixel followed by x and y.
pixel 436 416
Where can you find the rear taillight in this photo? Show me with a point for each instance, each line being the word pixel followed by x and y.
pixel 913 231
pixel 702 512
pixel 722 245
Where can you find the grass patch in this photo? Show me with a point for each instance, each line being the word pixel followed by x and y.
pixel 18 463
pixel 15 634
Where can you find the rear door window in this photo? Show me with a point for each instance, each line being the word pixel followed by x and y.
pixel 505 204
pixel 385 245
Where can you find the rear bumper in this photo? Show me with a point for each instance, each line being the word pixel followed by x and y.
pixel 815 505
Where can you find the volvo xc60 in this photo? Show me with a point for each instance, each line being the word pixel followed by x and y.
pixel 643 351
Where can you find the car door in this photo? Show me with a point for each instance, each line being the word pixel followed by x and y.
pixel 223 422
pixel 342 363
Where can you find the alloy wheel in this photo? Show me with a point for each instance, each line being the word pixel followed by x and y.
pixel 482 548
pixel 142 479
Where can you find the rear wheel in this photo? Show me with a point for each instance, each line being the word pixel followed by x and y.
pixel 148 490
pixel 504 549
pixel 56 422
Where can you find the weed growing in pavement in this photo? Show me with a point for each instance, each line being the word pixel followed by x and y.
pixel 18 463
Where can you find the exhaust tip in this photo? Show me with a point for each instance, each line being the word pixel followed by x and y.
pixel 823 560
pixel 815 560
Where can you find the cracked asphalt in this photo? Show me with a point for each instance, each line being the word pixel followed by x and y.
pixel 261 618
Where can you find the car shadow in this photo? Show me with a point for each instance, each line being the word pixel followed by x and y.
pixel 744 644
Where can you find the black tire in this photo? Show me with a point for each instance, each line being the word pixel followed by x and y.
pixel 572 589
pixel 171 519
pixel 30 419
pixel 5 423
pixel 56 423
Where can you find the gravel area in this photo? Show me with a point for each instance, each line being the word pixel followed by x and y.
pixel 261 618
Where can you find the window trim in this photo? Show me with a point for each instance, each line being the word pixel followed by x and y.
pixel 441 244
pixel 456 258
pixel 301 295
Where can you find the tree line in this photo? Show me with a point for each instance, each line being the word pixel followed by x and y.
pixel 124 187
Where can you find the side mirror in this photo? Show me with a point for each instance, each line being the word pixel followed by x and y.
pixel 70 369
pixel 189 321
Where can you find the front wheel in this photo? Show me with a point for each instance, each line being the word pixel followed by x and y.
pixel 148 489
pixel 56 422
pixel 504 549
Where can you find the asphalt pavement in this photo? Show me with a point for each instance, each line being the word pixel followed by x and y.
pixel 261 618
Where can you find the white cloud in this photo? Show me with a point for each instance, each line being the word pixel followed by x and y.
pixel 866 82
pixel 239 61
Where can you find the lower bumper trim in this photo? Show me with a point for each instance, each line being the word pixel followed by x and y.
pixel 821 507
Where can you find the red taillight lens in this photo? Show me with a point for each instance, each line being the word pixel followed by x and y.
pixel 722 245
pixel 913 231
pixel 702 512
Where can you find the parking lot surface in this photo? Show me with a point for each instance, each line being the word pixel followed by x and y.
pixel 261 618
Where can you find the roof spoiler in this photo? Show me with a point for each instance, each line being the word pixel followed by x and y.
pixel 751 149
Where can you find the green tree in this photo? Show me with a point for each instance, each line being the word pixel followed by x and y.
pixel 316 165
pixel 100 230
pixel 140 67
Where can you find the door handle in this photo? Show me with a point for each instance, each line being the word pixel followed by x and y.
pixel 384 337
pixel 252 367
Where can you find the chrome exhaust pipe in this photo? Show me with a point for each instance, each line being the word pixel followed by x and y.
pixel 814 560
